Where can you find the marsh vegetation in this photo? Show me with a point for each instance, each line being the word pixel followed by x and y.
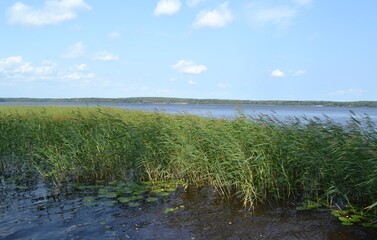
pixel 310 162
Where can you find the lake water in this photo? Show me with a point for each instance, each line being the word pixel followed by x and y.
pixel 338 114
pixel 45 211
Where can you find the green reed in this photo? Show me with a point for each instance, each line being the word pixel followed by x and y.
pixel 255 159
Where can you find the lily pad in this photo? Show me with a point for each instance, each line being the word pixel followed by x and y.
pixel 347 223
pixel 89 201
pixel 170 210
pixel 136 197
pixel 151 199
pixel 344 219
pixel 338 213
pixel 134 204
pixel 108 195
pixel 170 189
pixel 139 191
pixel 123 199
pixel 109 203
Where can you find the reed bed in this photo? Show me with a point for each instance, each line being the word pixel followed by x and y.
pixel 256 159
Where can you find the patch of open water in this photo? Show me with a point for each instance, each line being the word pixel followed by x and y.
pixel 44 211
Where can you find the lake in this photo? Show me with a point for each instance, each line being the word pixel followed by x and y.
pixel 338 114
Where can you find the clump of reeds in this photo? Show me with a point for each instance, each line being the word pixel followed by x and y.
pixel 256 159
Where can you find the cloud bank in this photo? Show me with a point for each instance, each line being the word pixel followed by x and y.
pixel 52 12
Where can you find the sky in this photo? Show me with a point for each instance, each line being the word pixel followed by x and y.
pixel 235 49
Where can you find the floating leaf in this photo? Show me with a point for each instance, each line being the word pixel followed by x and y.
pixel 108 195
pixel 169 210
pixel 157 190
pixel 134 204
pixel 344 219
pixel 337 213
pixel 136 197
pixel 123 199
pixel 89 201
pixel 312 205
pixel 109 203
pixel 151 199
pixel 140 191
pixel 347 223
pixel 170 189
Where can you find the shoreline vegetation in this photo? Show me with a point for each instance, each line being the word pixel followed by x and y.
pixel 257 159
pixel 162 100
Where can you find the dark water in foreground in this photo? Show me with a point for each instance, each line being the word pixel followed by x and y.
pixel 42 211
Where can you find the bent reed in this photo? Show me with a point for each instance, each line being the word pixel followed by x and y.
pixel 255 159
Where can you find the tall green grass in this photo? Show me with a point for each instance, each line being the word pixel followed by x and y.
pixel 256 159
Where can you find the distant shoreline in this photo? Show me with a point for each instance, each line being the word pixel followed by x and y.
pixel 162 100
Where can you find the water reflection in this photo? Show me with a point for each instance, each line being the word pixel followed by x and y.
pixel 45 211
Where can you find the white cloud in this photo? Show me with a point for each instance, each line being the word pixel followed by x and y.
pixel 52 12
pixel 217 18
pixel 277 73
pixel 298 73
pixel 191 82
pixel 189 67
pixel 16 68
pixel 9 61
pixel 74 51
pixel 81 67
pixel 193 3
pixel 167 7
pixel 114 35
pixel 79 76
pixel 105 56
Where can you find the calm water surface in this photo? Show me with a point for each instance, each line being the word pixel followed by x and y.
pixel 338 114
pixel 43 211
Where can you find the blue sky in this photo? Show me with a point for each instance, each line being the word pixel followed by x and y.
pixel 240 49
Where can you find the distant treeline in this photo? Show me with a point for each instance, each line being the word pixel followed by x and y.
pixel 161 100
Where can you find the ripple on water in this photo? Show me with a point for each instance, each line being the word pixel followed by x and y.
pixel 44 211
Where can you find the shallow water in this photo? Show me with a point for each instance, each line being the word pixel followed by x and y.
pixel 44 211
